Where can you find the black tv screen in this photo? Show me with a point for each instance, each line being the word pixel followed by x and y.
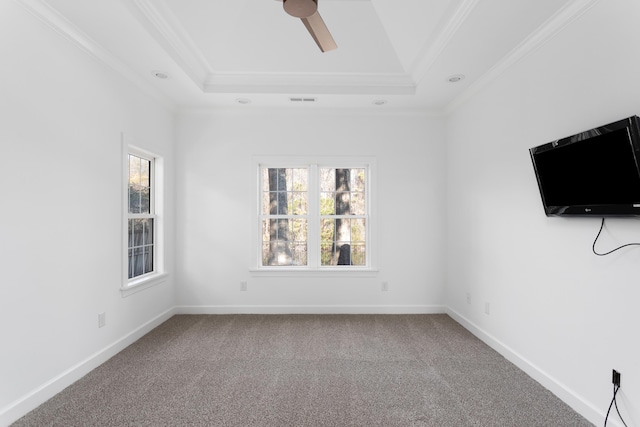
pixel 595 172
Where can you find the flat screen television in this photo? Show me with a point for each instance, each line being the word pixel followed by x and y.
pixel 592 173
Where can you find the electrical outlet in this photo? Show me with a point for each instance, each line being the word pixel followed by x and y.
pixel 616 378
pixel 385 286
pixel 487 308
pixel 102 319
pixel 468 297
pixel 243 286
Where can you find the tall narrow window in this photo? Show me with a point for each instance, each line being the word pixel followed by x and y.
pixel 141 217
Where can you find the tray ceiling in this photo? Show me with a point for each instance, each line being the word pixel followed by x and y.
pixel 216 51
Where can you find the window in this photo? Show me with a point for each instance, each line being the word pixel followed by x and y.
pixel 141 217
pixel 315 216
pixel 143 258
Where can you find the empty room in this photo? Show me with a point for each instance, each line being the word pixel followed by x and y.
pixel 320 213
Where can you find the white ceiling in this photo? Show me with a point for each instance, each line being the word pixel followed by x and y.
pixel 217 51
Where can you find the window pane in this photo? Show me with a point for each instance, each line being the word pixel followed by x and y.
pixel 130 262
pixel 134 199
pixel 145 200
pixel 284 191
pixel 343 231
pixel 299 203
pixel 148 259
pixel 147 231
pixel 134 170
pixel 327 227
pixel 139 185
pixel 266 252
pixel 284 242
pixel 358 230
pixel 265 179
pixel 300 180
pixel 265 202
pixel 300 254
pixel 342 191
pixel 357 204
pixel 140 243
pixel 131 234
pixel 343 241
pixel 138 261
pixel 299 230
pixel 327 179
pixel 280 253
pixel 357 180
pixel 358 254
pixel 327 204
pixel 145 169
pixel 136 231
pixel 326 253
pixel 343 201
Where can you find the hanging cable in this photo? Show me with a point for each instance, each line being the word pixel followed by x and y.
pixel 593 247
pixel 614 401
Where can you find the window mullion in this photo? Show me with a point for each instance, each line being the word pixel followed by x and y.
pixel 313 237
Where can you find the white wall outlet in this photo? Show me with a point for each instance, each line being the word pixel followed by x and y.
pixel 384 286
pixel 102 319
pixel 468 297
pixel 487 308
pixel 243 286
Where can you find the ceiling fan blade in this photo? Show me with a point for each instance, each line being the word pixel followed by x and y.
pixel 319 32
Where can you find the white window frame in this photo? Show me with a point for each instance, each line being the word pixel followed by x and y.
pixel 156 176
pixel 313 164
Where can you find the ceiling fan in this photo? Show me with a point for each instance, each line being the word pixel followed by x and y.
pixel 307 11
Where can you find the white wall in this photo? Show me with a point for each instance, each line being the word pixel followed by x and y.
pixel 562 313
pixel 566 315
pixel 61 117
pixel 216 188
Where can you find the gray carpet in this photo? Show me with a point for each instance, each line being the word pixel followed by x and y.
pixel 306 370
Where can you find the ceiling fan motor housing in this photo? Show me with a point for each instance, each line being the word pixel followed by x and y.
pixel 300 8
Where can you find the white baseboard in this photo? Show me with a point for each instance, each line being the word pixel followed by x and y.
pixel 310 309
pixel 35 398
pixel 568 396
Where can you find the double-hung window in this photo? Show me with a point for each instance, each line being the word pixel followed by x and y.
pixel 315 216
pixel 141 217
pixel 143 232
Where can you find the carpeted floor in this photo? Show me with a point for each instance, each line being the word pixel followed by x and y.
pixel 306 370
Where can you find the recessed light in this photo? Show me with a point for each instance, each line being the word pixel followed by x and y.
pixel 160 74
pixel 455 78
pixel 379 101
pixel 243 101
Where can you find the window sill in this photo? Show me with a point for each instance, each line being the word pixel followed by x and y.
pixel 143 283
pixel 299 272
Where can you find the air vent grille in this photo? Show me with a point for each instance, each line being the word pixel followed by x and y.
pixel 299 99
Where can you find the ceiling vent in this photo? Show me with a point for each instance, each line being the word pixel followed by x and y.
pixel 302 99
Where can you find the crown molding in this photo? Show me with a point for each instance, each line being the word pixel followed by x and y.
pixel 51 17
pixel 305 111
pixel 176 41
pixel 174 38
pixel 430 53
pixel 550 28
pixel 382 84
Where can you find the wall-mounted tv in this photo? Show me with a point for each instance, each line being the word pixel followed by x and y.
pixel 593 173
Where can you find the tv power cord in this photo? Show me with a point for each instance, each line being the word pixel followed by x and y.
pixel 616 387
pixel 593 247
